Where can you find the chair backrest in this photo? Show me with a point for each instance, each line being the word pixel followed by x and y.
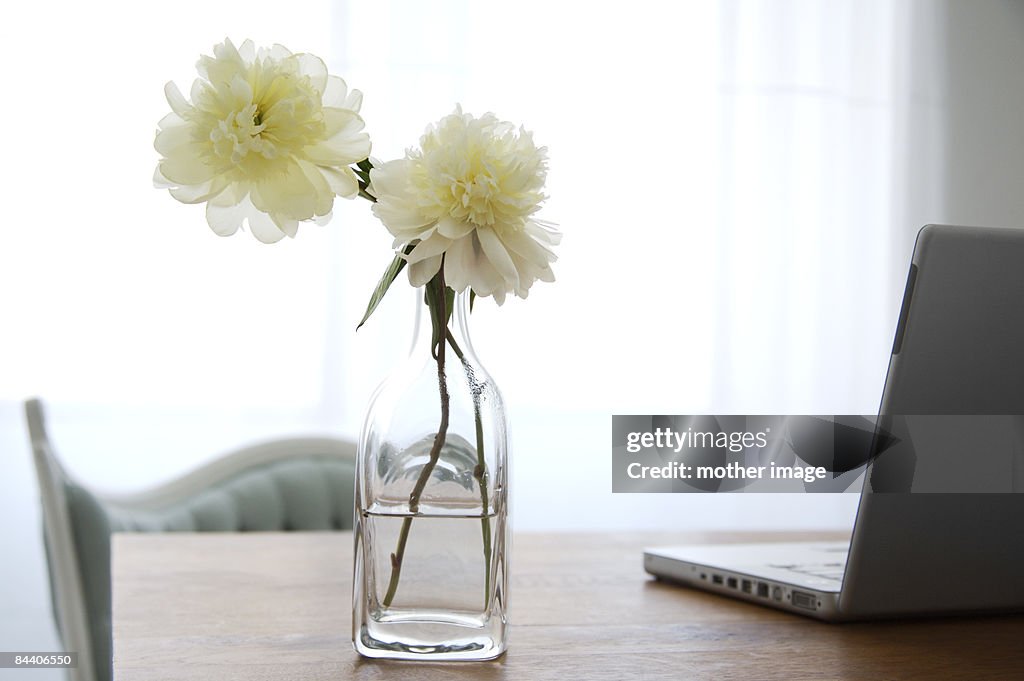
pixel 65 577
pixel 286 484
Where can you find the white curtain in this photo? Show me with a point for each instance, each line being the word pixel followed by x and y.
pixel 739 184
pixel 822 188
pixel 732 178
pixel 734 181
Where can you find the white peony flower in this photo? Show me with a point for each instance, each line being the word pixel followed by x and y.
pixel 267 139
pixel 468 195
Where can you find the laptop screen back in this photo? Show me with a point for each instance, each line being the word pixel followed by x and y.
pixel 940 528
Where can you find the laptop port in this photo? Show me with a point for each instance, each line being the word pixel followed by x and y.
pixel 762 590
pixel 703 575
pixel 802 599
pixel 777 593
pixel 717 579
pixel 731 582
pixel 746 585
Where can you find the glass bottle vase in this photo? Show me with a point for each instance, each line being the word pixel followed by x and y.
pixel 430 580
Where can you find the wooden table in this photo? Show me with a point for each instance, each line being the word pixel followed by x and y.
pixel 277 606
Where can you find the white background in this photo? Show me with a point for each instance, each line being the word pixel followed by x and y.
pixel 739 184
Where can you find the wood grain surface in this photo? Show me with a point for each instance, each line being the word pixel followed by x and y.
pixel 277 606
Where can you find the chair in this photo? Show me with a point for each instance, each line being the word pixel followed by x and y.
pixel 286 484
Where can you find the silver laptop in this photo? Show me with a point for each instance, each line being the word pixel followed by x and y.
pixel 958 350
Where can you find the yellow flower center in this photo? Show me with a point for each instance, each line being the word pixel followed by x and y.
pixel 472 197
pixel 478 171
pixel 239 134
pixel 264 115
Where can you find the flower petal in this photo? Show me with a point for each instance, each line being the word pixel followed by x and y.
pixel 466 266
pixel 226 51
pixel 354 100
pixel 346 143
pixel 197 193
pixel 428 248
pixel 543 231
pixel 247 51
pixel 454 229
pixel 314 67
pixel 394 206
pixel 486 280
pixel 218 69
pixel 324 193
pixel 236 192
pixel 338 95
pixel 391 178
pixel 289 193
pixel 241 90
pixel 287 225
pixel 340 150
pixel 423 271
pixel 335 93
pixel 525 245
pixel 403 221
pixel 199 91
pixel 342 181
pixel 530 271
pixel 179 104
pixel 226 220
pixel 263 227
pixel 341 122
pixel 279 52
pixel 186 166
pixel 169 139
pixel 459 262
pixel 161 182
pixel 498 256
pixel 170 120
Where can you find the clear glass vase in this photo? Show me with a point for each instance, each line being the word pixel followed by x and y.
pixel 430 580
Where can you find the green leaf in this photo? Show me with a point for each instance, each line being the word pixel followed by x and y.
pixel 472 299
pixel 449 305
pixel 365 165
pixel 433 298
pixel 385 282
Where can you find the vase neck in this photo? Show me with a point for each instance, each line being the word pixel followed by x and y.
pixel 458 325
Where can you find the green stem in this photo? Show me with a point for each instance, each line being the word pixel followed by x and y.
pixel 439 321
pixel 480 473
pixel 396 561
